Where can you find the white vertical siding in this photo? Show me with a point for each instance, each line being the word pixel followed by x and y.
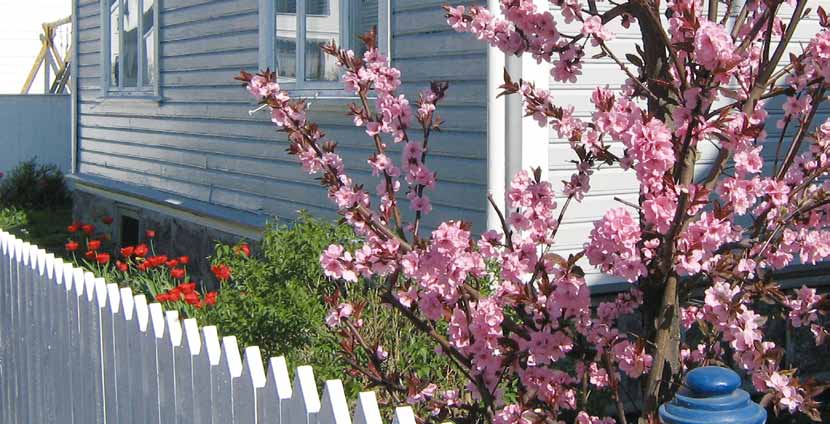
pixel 615 182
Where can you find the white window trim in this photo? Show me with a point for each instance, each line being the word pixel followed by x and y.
pixel 321 89
pixel 152 92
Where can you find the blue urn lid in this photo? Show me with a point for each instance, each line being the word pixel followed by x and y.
pixel 712 395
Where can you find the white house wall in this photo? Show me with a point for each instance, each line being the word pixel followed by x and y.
pixel 614 182
pixel 200 144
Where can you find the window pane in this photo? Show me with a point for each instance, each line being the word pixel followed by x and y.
pixel 364 17
pixel 313 7
pixel 286 54
pixel 114 43
pixel 285 44
pixel 149 42
pixel 287 6
pixel 317 7
pixel 130 43
pixel 321 30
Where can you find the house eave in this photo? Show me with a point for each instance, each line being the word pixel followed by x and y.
pixel 232 221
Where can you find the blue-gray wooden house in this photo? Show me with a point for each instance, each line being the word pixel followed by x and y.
pixel 163 138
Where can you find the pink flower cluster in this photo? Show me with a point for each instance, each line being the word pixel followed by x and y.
pixel 612 245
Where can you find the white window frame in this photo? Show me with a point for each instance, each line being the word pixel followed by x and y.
pixel 152 91
pixel 268 35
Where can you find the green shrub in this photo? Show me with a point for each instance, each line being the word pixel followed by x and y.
pixel 274 300
pixel 33 185
pixel 12 218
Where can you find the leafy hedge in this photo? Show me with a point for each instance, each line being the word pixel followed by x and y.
pixel 35 186
pixel 275 300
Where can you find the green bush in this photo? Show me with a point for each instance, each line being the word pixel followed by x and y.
pixel 12 218
pixel 32 185
pixel 274 300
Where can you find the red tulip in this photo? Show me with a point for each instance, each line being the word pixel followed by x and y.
pixel 187 288
pixel 73 228
pixel 127 251
pixel 156 261
pixel 150 233
pixel 88 229
pixel 222 272
pixel 243 249
pixel 177 273
pixel 210 298
pixel 192 298
pixel 93 244
pixel 172 263
pixel 121 266
pixel 141 250
pixel 175 294
pixel 71 246
pixel 107 220
pixel 90 255
pixel 102 258
pixel 184 260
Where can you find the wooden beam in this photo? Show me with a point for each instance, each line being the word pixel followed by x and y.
pixel 33 72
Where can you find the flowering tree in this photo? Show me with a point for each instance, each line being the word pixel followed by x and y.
pixel 701 247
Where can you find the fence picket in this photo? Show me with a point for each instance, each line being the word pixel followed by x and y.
pixel 38 328
pixel 108 347
pixel 5 339
pixel 277 392
pixel 5 316
pixel 125 379
pixel 74 349
pixel 305 402
pixel 157 324
pixel 4 332
pixel 15 365
pixel 221 407
pixel 231 364
pixel 333 408
pixel 197 343
pixel 25 283
pixel 50 333
pixel 167 366
pixel 247 389
pixel 366 410
pixel 191 346
pixel 97 302
pixel 146 405
pixel 404 415
pixel 63 272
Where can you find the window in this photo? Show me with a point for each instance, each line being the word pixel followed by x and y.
pixel 292 32
pixel 130 59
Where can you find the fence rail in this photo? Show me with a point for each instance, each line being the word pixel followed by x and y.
pixel 74 349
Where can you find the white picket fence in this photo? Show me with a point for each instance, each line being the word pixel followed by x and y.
pixel 74 349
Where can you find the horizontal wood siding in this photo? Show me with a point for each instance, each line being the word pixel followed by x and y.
pixel 200 143
pixel 615 182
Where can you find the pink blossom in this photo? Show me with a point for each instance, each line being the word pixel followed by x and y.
pixel 790 396
pixel 612 245
pixel 337 263
pixel 803 308
pixel 714 48
pixel 336 315
pixel 632 360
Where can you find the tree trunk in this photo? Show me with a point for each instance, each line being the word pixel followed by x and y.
pixel 666 361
